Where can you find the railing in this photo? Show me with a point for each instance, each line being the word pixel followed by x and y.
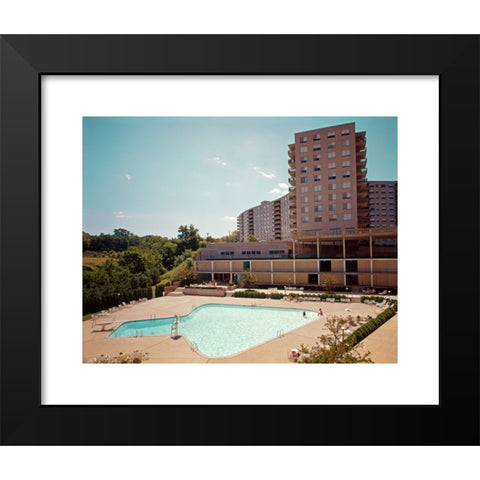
pixel 349 231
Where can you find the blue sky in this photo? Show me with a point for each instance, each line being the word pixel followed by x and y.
pixel 152 174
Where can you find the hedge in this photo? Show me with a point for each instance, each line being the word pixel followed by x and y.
pixel 250 294
pixel 362 332
pixel 98 303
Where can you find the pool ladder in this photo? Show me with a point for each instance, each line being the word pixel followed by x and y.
pixel 174 327
pixel 193 346
pixel 280 333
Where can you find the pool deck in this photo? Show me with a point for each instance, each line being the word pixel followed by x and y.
pixel 163 349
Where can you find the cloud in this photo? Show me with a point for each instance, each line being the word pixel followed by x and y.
pixel 282 188
pixel 121 215
pixel 230 219
pixel 264 173
pixel 128 176
pixel 218 161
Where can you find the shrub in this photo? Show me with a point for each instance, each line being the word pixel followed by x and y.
pixel 369 327
pixel 97 303
pixel 276 296
pixel 250 294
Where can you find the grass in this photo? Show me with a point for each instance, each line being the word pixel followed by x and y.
pixel 94 262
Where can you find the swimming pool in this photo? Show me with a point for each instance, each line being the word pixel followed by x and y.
pixel 222 330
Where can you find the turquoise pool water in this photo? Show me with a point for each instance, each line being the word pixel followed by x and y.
pixel 222 330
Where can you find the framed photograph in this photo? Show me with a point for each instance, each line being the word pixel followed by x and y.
pixel 70 108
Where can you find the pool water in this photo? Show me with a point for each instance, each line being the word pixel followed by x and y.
pixel 222 330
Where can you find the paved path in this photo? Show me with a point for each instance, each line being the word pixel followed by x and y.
pixel 382 343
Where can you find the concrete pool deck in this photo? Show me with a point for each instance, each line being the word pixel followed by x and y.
pixel 163 349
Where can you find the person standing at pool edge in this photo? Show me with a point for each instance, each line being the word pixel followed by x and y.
pixel 320 312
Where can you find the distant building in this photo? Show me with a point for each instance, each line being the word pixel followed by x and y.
pixel 267 221
pixel 382 203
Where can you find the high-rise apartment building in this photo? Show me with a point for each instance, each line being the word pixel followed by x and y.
pixel 328 190
pixel 267 221
pixel 333 223
pixel 382 203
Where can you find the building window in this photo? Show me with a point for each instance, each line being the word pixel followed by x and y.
pixel 332 208
pixel 316 158
pixel 304 149
pixel 332 155
pixel 332 196
pixel 304 199
pixel 304 219
pixel 331 134
pixel 304 209
pixel 317 188
pixel 332 165
pixel 318 219
pixel 303 139
pixel 332 186
pixel 346 174
pixel 317 208
pixel 317 178
pixel 304 170
pixel 331 145
pixel 317 168
pixel 346 184
pixel 345 132
pixel 332 176
pixel 303 159
pixel 346 163
pixel 317 198
pixel 346 143
pixel 347 206
pixel 345 153
pixel 316 136
pixel 332 218
pixel 347 216
pixel 303 189
pixel 317 147
pixel 303 179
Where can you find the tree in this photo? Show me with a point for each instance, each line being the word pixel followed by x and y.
pixel 188 238
pixel 249 280
pixel 230 238
pixel 328 282
pixel 133 261
pixel 122 232
pixel 252 238
pixel 335 347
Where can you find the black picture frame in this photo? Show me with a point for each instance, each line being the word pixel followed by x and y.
pixel 26 58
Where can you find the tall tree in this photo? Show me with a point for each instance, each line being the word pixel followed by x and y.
pixel 188 238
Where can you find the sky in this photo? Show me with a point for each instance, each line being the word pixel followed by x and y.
pixel 150 175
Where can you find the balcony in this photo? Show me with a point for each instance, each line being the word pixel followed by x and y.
pixel 291 171
pixel 361 154
pixel 291 154
pixel 292 181
pixel 362 173
pixel 292 189
pixel 291 162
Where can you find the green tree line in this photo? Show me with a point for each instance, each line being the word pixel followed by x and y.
pixel 133 264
